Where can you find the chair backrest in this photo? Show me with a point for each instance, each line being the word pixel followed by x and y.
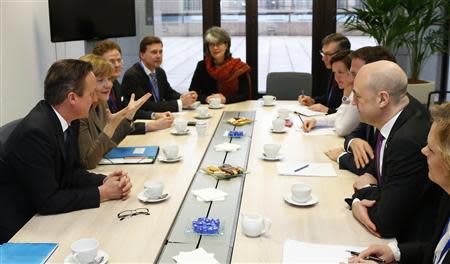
pixel 433 98
pixel 6 130
pixel 288 85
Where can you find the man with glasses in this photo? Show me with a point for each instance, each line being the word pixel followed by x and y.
pixel 328 102
pixel 112 52
pixel 148 76
pixel 40 171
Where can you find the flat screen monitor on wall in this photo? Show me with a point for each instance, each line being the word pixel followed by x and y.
pixel 91 19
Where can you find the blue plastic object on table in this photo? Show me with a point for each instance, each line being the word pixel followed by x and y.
pixel 236 133
pixel 206 226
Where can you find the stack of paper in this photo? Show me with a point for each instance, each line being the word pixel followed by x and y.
pixel 316 169
pixel 300 252
pixel 209 195
pixel 197 256
pixel 320 131
pixel 305 111
pixel 229 147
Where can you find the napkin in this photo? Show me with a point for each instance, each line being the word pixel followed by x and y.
pixel 196 256
pixel 209 195
pixel 229 147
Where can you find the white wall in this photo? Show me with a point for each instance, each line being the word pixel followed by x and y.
pixel 26 54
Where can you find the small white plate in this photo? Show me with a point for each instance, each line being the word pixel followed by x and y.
pixel 203 117
pixel 71 260
pixel 264 157
pixel 141 196
pixel 193 106
pixel 164 159
pixel 284 130
pixel 314 199
pixel 271 104
pixel 175 132
pixel 218 107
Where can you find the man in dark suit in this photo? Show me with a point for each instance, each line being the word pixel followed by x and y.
pixel 331 100
pixel 147 76
pixel 40 170
pixel 359 145
pixel 112 52
pixel 394 198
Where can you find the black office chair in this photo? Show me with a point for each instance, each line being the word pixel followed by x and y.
pixel 432 98
pixel 6 130
pixel 288 85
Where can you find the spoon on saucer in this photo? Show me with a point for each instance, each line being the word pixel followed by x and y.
pixel 97 260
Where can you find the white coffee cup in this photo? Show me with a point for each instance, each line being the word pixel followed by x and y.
pixel 85 250
pixel 171 152
pixel 153 189
pixel 269 99
pixel 180 125
pixel 202 111
pixel 271 150
pixel 201 128
pixel 301 192
pixel 254 225
pixel 214 102
pixel 278 124
pixel 283 113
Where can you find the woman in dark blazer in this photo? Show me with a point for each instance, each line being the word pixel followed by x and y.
pixel 438 158
pixel 220 75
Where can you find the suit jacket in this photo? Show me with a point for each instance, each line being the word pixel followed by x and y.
pixel 333 98
pixel 136 81
pixel 205 85
pixel 346 161
pixel 406 198
pixel 40 175
pixel 122 102
pixel 416 252
pixel 94 144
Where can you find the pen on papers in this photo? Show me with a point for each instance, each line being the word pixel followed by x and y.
pixel 376 259
pixel 301 119
pixel 301 168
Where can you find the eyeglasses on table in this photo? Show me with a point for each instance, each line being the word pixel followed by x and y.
pixel 129 213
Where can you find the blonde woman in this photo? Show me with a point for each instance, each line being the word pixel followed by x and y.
pixel 102 131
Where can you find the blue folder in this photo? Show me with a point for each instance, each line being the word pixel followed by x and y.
pixel 131 155
pixel 26 252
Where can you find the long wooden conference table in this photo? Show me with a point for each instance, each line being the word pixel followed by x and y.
pixel 148 239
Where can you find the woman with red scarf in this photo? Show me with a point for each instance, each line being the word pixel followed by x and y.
pixel 220 75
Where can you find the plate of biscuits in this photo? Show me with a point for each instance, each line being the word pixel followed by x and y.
pixel 239 121
pixel 225 171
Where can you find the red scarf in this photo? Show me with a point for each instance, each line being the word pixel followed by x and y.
pixel 227 74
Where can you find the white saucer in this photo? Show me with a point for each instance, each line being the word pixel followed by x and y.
pixel 264 157
pixel 284 130
pixel 272 104
pixel 70 260
pixel 164 159
pixel 142 198
pixel 314 199
pixel 193 106
pixel 218 107
pixel 203 117
pixel 175 132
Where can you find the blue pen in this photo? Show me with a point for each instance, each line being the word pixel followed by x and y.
pixel 301 168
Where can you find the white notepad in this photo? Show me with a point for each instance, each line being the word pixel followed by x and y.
pixel 301 252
